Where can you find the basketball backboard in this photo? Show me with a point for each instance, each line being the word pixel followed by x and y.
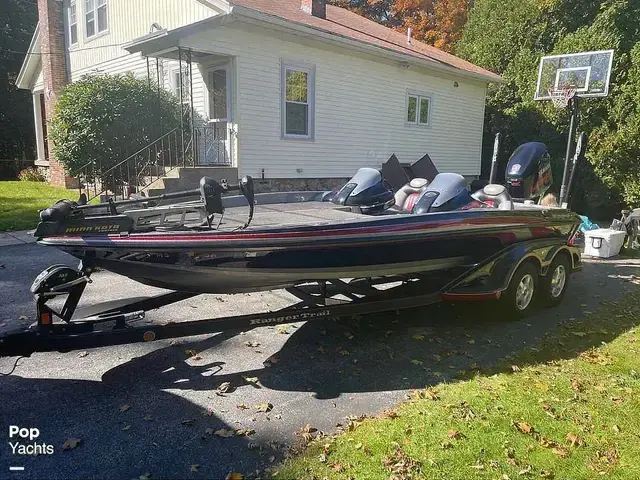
pixel 587 73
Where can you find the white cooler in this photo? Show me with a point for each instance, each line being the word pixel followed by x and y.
pixel 603 242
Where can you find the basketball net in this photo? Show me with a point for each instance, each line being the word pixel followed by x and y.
pixel 562 96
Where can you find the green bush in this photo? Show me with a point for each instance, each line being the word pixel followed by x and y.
pixel 101 120
pixel 30 175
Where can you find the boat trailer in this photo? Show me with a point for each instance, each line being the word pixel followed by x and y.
pixel 58 330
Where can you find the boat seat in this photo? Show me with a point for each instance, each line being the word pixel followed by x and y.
pixel 495 196
pixel 407 196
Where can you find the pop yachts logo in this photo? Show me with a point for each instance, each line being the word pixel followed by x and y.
pixel 23 442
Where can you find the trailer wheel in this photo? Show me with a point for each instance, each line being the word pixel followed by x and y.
pixel 554 285
pixel 518 298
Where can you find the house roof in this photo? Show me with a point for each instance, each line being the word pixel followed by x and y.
pixel 343 22
pixel 31 65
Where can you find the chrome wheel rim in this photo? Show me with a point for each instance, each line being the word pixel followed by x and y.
pixel 524 292
pixel 558 281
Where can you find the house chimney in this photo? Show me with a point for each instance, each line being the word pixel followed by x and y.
pixel 317 8
pixel 54 68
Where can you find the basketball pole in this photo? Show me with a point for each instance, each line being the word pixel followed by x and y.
pixel 573 126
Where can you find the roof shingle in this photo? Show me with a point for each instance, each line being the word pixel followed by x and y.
pixel 348 24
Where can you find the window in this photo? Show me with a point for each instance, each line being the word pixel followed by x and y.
pixel 72 18
pixel 218 94
pixel 298 109
pixel 95 17
pixel 418 109
pixel 175 85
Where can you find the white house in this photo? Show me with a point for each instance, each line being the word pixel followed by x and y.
pixel 292 89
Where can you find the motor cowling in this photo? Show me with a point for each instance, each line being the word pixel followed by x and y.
pixel 446 193
pixel 529 171
pixel 366 190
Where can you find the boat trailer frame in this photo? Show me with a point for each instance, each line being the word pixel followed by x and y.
pixel 59 331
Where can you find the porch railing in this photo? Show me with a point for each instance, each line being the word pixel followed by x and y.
pixel 142 169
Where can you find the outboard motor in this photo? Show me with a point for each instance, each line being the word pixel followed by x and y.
pixel 529 171
pixel 447 192
pixel 367 191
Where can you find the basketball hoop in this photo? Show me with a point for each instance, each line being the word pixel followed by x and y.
pixel 562 96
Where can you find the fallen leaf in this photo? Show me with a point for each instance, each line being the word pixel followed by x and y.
pixel 322 458
pixel 578 334
pixel 190 353
pixel 233 476
pixel 251 379
pixel 576 386
pixel 264 407
pixel 124 408
pixel 455 435
pixel 348 335
pixel 616 428
pixel 524 427
pixel 417 362
pixel 251 344
pixel 525 471
pixel 358 446
pixel 418 337
pixel 194 468
pixel 148 417
pixel 242 406
pixel 561 452
pixel 224 387
pixel 71 443
pixel 189 422
pixel 546 474
pixel 471 342
pixel 222 432
pixel 575 440
pixel 344 352
pixel 145 476
pixel 245 432
pixel 83 354
pixel 126 427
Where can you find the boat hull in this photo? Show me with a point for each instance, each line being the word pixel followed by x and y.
pixel 441 245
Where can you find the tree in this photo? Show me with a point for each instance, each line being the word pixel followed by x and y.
pixel 437 22
pixel 17 21
pixel 103 119
pixel 510 36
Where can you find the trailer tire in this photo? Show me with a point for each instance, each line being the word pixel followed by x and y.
pixel 518 299
pixel 554 285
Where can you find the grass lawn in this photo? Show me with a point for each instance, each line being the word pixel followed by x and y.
pixel 20 202
pixel 573 418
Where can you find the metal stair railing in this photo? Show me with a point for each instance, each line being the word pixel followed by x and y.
pixel 136 172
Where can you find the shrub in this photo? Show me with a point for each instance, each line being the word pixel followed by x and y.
pixel 101 120
pixel 30 175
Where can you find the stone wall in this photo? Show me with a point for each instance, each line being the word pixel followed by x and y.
pixel 300 184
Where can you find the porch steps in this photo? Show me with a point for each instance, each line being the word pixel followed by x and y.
pixel 188 178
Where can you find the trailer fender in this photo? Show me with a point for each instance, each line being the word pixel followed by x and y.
pixel 490 278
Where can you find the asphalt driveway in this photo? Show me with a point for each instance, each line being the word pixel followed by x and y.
pixel 151 408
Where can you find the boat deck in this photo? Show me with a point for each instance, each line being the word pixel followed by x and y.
pixel 282 215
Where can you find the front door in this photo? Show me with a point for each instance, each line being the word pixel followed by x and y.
pixel 216 149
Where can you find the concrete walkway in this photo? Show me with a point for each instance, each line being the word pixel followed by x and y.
pixel 16 238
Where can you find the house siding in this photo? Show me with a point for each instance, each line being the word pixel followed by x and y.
pixel 128 20
pixel 360 109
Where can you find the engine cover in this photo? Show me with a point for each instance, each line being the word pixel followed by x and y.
pixel 529 171
pixel 367 191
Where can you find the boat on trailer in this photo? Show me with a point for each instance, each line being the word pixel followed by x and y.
pixel 367 247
